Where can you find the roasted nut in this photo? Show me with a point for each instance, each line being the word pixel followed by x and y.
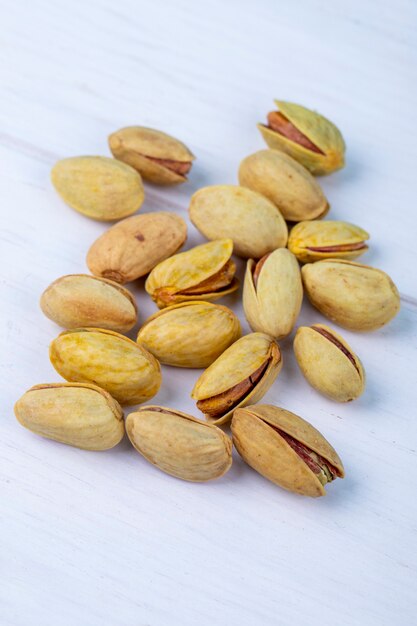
pixel 315 240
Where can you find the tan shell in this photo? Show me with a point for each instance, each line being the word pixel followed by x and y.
pixel 98 187
pixel 315 240
pixel 190 334
pixel 358 297
pixel 79 300
pixel 112 361
pixel 267 452
pixel 179 444
pixel 153 153
pixel 132 248
pixel 83 416
pixel 273 305
pixel 252 221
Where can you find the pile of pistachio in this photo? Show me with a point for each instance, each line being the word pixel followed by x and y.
pixel 106 369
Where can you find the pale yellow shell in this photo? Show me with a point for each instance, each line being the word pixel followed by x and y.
pixel 326 234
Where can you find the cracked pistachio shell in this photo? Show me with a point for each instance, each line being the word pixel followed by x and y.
pixel 99 187
pixel 117 364
pixel 315 240
pixel 286 183
pixel 358 297
pixel 79 415
pixel 326 137
pixel 252 221
pixel 267 452
pixel 179 444
pixel 131 248
pixel 78 300
pixel 190 334
pixel 222 380
pixel 178 278
pixel 273 305
pixel 329 363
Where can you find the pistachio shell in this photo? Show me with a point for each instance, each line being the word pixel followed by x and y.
pixel 83 416
pixel 112 361
pixel 159 158
pixel 329 363
pixel 358 297
pixel 315 240
pixel 179 444
pixel 270 454
pixel 252 221
pixel 286 183
pixel 79 300
pixel 98 187
pixel 132 247
pixel 273 305
pixel 190 334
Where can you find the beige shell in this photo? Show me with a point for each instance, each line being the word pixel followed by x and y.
pixel 179 444
pixel 79 415
pixel 252 221
pixel 286 183
pixel 267 452
pixel 329 363
pixel 358 297
pixel 79 300
pixel 190 334
pixel 120 366
pixel 131 248
pixel 273 305
pixel 99 187
pixel 160 158
pixel 315 240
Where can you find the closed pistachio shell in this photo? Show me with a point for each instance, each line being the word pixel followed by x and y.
pixel 252 221
pixel 99 187
pixel 120 366
pixel 190 334
pixel 79 415
pixel 133 247
pixel 79 300
pixel 160 158
pixel 306 136
pixel 179 444
pixel 285 449
pixel 205 272
pixel 273 295
pixel 358 297
pixel 329 363
pixel 286 183
pixel 241 375
pixel 315 240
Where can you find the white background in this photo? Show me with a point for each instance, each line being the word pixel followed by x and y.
pixel 105 538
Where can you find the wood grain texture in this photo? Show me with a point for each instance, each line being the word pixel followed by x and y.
pixel 105 538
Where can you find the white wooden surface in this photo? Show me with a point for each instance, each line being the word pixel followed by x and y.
pixel 104 538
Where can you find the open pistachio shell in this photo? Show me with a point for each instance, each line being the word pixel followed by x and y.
pixel 315 240
pixel 285 449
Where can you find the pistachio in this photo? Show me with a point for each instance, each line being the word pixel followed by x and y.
pixel 252 221
pixel 306 136
pixel 358 297
pixel 190 334
pixel 273 293
pixel 79 415
pixel 98 187
pixel 205 272
pixel 315 240
pixel 82 300
pixel 242 374
pixel 286 183
pixel 179 444
pixel 158 157
pixel 112 361
pixel 329 363
pixel 131 248
pixel 285 449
